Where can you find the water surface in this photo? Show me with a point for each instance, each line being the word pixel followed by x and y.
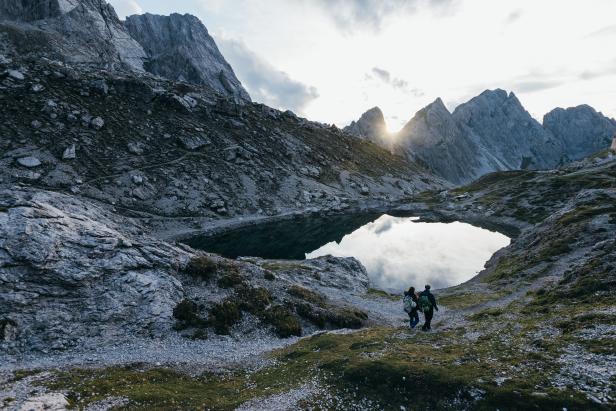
pixel 397 251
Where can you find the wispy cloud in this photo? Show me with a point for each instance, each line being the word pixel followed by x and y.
pixel 264 82
pixel 609 69
pixel 395 82
pixel 514 16
pixel 605 31
pixel 354 15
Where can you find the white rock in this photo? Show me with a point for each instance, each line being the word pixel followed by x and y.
pixel 69 153
pixel 37 88
pixel 17 75
pixel 29 161
pixel 45 402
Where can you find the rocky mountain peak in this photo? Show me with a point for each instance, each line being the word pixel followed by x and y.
pixel 179 47
pixel 582 130
pixel 371 125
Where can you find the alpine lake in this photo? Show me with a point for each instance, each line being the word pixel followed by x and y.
pixel 397 251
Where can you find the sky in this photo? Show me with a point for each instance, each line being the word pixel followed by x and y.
pixel 331 60
pixel 398 252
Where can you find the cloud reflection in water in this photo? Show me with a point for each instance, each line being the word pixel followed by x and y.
pixel 400 252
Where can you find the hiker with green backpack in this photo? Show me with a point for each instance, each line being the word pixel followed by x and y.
pixel 427 304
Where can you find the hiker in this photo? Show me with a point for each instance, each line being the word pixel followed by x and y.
pixel 411 307
pixel 427 304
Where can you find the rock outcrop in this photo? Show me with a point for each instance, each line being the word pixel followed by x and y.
pixel 74 31
pixel 371 126
pixel 70 270
pixel 179 47
pixel 582 130
pixel 613 147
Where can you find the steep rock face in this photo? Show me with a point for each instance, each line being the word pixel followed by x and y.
pixel 613 147
pixel 582 130
pixel 371 126
pixel 75 31
pixel 444 145
pixel 69 271
pixel 508 132
pixel 179 47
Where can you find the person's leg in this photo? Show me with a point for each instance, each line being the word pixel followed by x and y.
pixel 424 327
pixel 414 318
pixel 429 316
pixel 410 319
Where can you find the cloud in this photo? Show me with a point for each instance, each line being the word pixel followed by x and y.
pixel 530 86
pixel 395 82
pixel 264 82
pixel 514 16
pixel 608 70
pixel 355 15
pixel 605 31
pixel 126 7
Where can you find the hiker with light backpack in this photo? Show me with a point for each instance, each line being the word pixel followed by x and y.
pixel 427 304
pixel 411 307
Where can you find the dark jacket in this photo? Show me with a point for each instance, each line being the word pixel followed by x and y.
pixel 431 297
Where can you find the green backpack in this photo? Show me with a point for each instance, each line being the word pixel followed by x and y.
pixel 424 303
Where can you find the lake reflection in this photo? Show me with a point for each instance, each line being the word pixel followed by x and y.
pixel 399 252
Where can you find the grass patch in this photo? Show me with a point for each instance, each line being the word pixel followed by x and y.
pixel 467 300
pixel 224 315
pixel 187 315
pixel 486 314
pixel 306 295
pixel 284 322
pixel 373 292
pixel 429 371
pixel 202 267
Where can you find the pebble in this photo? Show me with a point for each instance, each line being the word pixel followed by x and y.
pixel 97 123
pixel 37 87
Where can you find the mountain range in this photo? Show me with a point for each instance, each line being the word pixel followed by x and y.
pixel 491 132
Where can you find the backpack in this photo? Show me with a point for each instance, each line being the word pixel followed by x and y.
pixel 424 303
pixel 409 304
